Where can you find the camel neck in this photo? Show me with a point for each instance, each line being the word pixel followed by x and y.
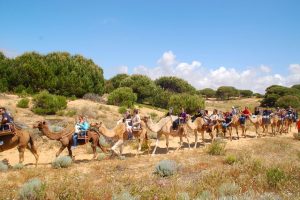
pixel 53 136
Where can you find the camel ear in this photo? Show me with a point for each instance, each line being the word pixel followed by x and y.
pixel 44 123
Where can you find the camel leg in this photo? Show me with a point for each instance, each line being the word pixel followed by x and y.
pixel 94 147
pixel 188 141
pixel 196 139
pixel 156 144
pixel 167 143
pixel 61 149
pixel 21 154
pixel 180 143
pixel 33 150
pixel 70 152
pixel 140 142
pixel 237 132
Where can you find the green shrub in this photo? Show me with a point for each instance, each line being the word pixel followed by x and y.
pixel 122 96
pixel 166 168
pixel 101 156
pixel 231 159
pixel 182 196
pixel 60 113
pixel 228 189
pixel 18 166
pixel 289 100
pixel 70 113
pixel 23 103
pixel 216 148
pixel 122 110
pixel 3 167
pixel 47 104
pixel 34 189
pixel 275 176
pixel 124 195
pixel 189 102
pixel 205 195
pixel 62 162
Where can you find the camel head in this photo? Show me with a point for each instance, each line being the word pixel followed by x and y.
pixel 146 118
pixel 39 125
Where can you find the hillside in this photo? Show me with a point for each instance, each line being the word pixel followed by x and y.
pixel 199 173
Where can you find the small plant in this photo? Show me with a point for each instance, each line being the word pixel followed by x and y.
pixel 231 159
pixel 124 195
pixel 101 156
pixel 275 176
pixel 269 196
pixel 60 113
pixel 62 162
pixel 23 103
pixel 34 189
pixel 228 189
pixel 205 195
pixel 166 168
pixel 122 110
pixel 3 167
pixel 182 196
pixel 18 166
pixel 70 113
pixel 216 148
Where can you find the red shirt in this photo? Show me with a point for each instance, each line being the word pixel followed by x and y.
pixel 246 112
pixel 298 124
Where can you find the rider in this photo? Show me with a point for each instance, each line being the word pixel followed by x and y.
pixel 214 118
pixel 228 120
pixel 246 112
pixel 136 120
pixel 233 111
pixel 256 111
pixel 182 116
pixel 80 128
pixel 170 112
pixel 128 122
pixel 6 119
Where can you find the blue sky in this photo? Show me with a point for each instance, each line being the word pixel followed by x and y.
pixel 137 36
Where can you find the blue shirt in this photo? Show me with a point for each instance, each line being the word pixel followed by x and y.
pixel 84 126
pixel 7 117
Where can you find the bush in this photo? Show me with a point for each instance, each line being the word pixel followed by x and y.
pixel 205 195
pixel 124 195
pixel 34 189
pixel 23 103
pixel 289 100
pixel 208 92
pixel 216 148
pixel 228 189
pixel 3 167
pixel 175 84
pixel 189 102
pixel 231 159
pixel 166 168
pixel 275 176
pixel 47 104
pixel 182 196
pixel 122 96
pixel 225 92
pixel 122 110
pixel 101 156
pixel 18 166
pixel 62 162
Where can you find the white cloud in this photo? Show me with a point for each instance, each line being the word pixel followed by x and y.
pixel 122 69
pixel 254 78
pixel 9 53
pixel 265 69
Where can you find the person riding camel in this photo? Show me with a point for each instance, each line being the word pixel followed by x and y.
pixel 256 111
pixel 199 113
pixel 290 112
pixel 182 116
pixel 170 112
pixel 6 119
pixel 246 112
pixel 233 111
pixel 136 120
pixel 228 120
pixel 128 122
pixel 81 128
pixel 214 118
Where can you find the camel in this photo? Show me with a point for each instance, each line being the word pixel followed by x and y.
pixel 164 127
pixel 66 138
pixel 275 124
pixel 21 139
pixel 121 134
pixel 198 125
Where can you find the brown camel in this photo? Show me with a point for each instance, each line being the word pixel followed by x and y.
pixel 198 125
pixel 21 139
pixel 66 138
pixel 164 127
pixel 275 123
pixel 121 134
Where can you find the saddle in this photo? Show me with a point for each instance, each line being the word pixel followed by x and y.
pixel 7 129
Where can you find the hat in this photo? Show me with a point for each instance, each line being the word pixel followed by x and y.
pixel 232 107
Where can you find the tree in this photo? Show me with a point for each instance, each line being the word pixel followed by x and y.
pixel 142 85
pixel 208 93
pixel 175 84
pixel 122 96
pixel 161 98
pixel 246 93
pixel 296 86
pixel 187 101
pixel 289 100
pixel 225 92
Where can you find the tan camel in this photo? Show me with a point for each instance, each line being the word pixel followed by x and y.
pixel 275 124
pixel 21 139
pixel 121 134
pixel 164 127
pixel 198 125
pixel 66 138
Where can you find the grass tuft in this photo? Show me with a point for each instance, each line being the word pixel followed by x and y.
pixel 62 162
pixel 166 168
pixel 34 189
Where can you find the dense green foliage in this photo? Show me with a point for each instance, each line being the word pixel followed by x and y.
pixel 275 92
pixel 122 96
pixel 161 98
pixel 174 84
pixel 288 100
pixel 208 92
pixel 23 103
pixel 114 82
pixel 142 85
pixel 225 92
pixel 189 102
pixel 296 86
pixel 246 93
pixel 59 73
pixel 47 104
